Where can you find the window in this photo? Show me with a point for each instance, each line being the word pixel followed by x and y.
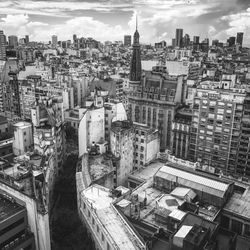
pixel 102 237
pixel 108 246
pixel 88 213
pixel 24 133
pixel 84 205
pixel 93 221
pixel 142 140
pixel 97 228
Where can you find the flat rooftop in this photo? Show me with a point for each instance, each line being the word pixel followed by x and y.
pixel 144 173
pixel 239 205
pixel 99 166
pixel 120 232
pixel 8 207
pixel 22 124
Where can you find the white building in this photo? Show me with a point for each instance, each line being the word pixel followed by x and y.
pixel 91 129
pixel 107 226
pixel 23 138
pixel 114 111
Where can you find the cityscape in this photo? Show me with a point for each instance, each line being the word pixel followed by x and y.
pixel 125 125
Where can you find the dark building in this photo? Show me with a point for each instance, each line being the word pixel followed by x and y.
pixel 160 45
pixel 215 42
pixel 11 97
pixel 204 45
pixel 179 38
pixel 173 42
pixel 239 38
pixel 231 41
pixel 181 133
pixel 14 232
pixel 135 67
pixel 27 39
pixel 186 40
pixel 13 41
pixel 127 40
pixel 196 40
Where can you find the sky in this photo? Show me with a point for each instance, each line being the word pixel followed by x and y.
pixel 110 20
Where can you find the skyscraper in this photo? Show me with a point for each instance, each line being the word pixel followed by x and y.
pixel 186 40
pixel 173 42
pixel 127 40
pixel 54 41
pixel 13 41
pixel 239 38
pixel 179 37
pixel 231 41
pixel 2 46
pixel 196 40
pixel 27 39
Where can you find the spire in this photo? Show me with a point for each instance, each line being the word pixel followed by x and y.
pixel 136 34
pixel 135 67
pixel 136 27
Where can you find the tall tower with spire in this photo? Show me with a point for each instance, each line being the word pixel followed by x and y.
pixel 135 67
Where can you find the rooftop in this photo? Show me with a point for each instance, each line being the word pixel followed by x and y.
pixel 193 180
pixel 99 166
pixel 144 173
pixel 116 227
pixel 120 126
pixel 22 124
pixel 239 204
pixel 8 207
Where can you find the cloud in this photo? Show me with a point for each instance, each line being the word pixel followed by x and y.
pixel 101 19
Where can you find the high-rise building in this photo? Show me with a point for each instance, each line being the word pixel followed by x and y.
pixel 239 38
pixel 27 39
pixel 54 41
pixel 219 130
pixel 186 40
pixel 173 42
pixel 154 96
pixel 2 46
pixel 196 40
pixel 231 41
pixel 13 41
pixel 127 40
pixel 179 37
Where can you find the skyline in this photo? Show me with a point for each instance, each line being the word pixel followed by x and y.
pixel 157 19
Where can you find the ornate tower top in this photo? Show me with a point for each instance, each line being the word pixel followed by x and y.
pixel 135 67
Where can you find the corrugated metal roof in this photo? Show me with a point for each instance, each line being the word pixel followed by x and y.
pixel 193 181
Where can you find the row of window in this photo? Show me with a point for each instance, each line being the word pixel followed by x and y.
pixel 96 226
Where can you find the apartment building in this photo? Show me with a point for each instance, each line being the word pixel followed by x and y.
pixel 216 126
pixel 14 229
